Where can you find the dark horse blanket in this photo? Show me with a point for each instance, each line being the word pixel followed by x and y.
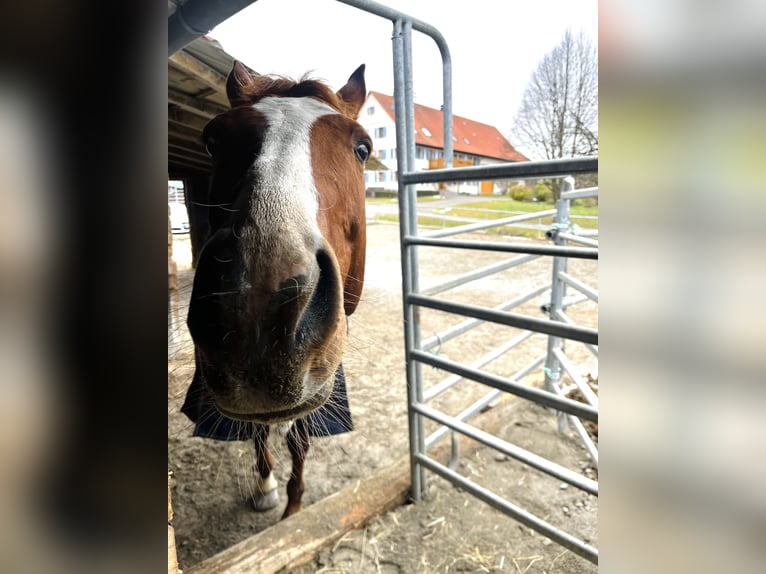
pixel 334 417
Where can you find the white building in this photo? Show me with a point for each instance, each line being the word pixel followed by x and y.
pixel 474 143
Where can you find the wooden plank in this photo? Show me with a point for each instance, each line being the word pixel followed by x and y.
pixel 296 540
pixel 188 160
pixel 193 105
pixel 172 560
pixel 203 73
pixel 186 150
pixel 185 118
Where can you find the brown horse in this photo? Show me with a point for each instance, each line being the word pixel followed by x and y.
pixel 284 263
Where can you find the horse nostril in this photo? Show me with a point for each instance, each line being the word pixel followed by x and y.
pixel 314 323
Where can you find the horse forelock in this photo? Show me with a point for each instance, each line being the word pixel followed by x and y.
pixel 305 87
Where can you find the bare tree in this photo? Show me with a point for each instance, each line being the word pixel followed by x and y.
pixel 558 116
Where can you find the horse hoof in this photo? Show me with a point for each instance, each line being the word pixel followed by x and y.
pixel 266 500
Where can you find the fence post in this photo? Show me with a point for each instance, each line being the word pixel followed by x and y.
pixel 558 292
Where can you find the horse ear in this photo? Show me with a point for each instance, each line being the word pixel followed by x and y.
pixel 354 92
pixel 239 79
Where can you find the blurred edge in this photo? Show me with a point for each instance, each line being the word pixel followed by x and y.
pixel 82 306
pixel 683 142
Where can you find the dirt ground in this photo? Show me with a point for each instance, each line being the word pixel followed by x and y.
pixel 448 531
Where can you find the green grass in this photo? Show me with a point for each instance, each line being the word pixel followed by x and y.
pixel 423 199
pixel 503 207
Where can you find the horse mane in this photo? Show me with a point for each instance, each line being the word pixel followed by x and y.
pixel 284 87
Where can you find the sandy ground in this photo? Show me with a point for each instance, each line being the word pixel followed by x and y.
pixel 448 531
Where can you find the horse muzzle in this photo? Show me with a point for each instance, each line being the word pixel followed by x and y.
pixel 268 348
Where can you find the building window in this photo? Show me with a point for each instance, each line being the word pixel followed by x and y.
pixel 380 176
pixel 371 111
pixel 380 132
pixel 366 177
pixel 382 154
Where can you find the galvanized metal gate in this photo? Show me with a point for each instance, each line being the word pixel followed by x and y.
pixel 558 326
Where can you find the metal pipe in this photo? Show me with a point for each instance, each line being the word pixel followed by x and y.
pixel 569 321
pixel 583 387
pixel 585 438
pixel 584 334
pixel 450 381
pixel 528 519
pixel 196 18
pixel 583 288
pixel 478 274
pixel 410 198
pixel 441 44
pixel 558 292
pixel 533 394
pixel 580 193
pixel 562 251
pixel 578 239
pixel 566 302
pixel 575 479
pixel 404 221
pixel 528 169
pixel 488 224
pixel 479 405
pixel 452 332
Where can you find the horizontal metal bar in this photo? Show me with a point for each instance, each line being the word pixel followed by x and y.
pixel 534 248
pixel 583 288
pixel 551 468
pixel 478 274
pixel 489 223
pixel 452 332
pixel 586 391
pixel 578 239
pixel 584 232
pixel 485 401
pixel 584 334
pixel 590 446
pixel 445 384
pixel 566 302
pixel 580 193
pixel 393 15
pixel 517 513
pixel 569 321
pixel 533 394
pixel 527 169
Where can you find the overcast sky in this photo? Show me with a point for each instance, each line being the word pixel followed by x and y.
pixel 495 45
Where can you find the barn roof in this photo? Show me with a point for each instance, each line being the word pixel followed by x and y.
pixel 469 136
pixel 196 94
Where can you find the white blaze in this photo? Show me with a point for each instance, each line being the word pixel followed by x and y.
pixel 285 204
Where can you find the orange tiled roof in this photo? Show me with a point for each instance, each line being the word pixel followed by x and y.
pixel 470 137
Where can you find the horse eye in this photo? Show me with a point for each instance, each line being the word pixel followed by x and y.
pixel 362 151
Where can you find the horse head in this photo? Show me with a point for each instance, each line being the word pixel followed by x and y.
pixel 284 264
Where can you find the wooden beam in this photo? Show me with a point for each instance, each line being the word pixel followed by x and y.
pixel 202 72
pixel 194 154
pixel 185 118
pixel 295 541
pixel 184 132
pixel 193 105
pixel 184 159
pixel 192 146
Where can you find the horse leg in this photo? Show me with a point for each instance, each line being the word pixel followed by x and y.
pixel 266 496
pixel 298 445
